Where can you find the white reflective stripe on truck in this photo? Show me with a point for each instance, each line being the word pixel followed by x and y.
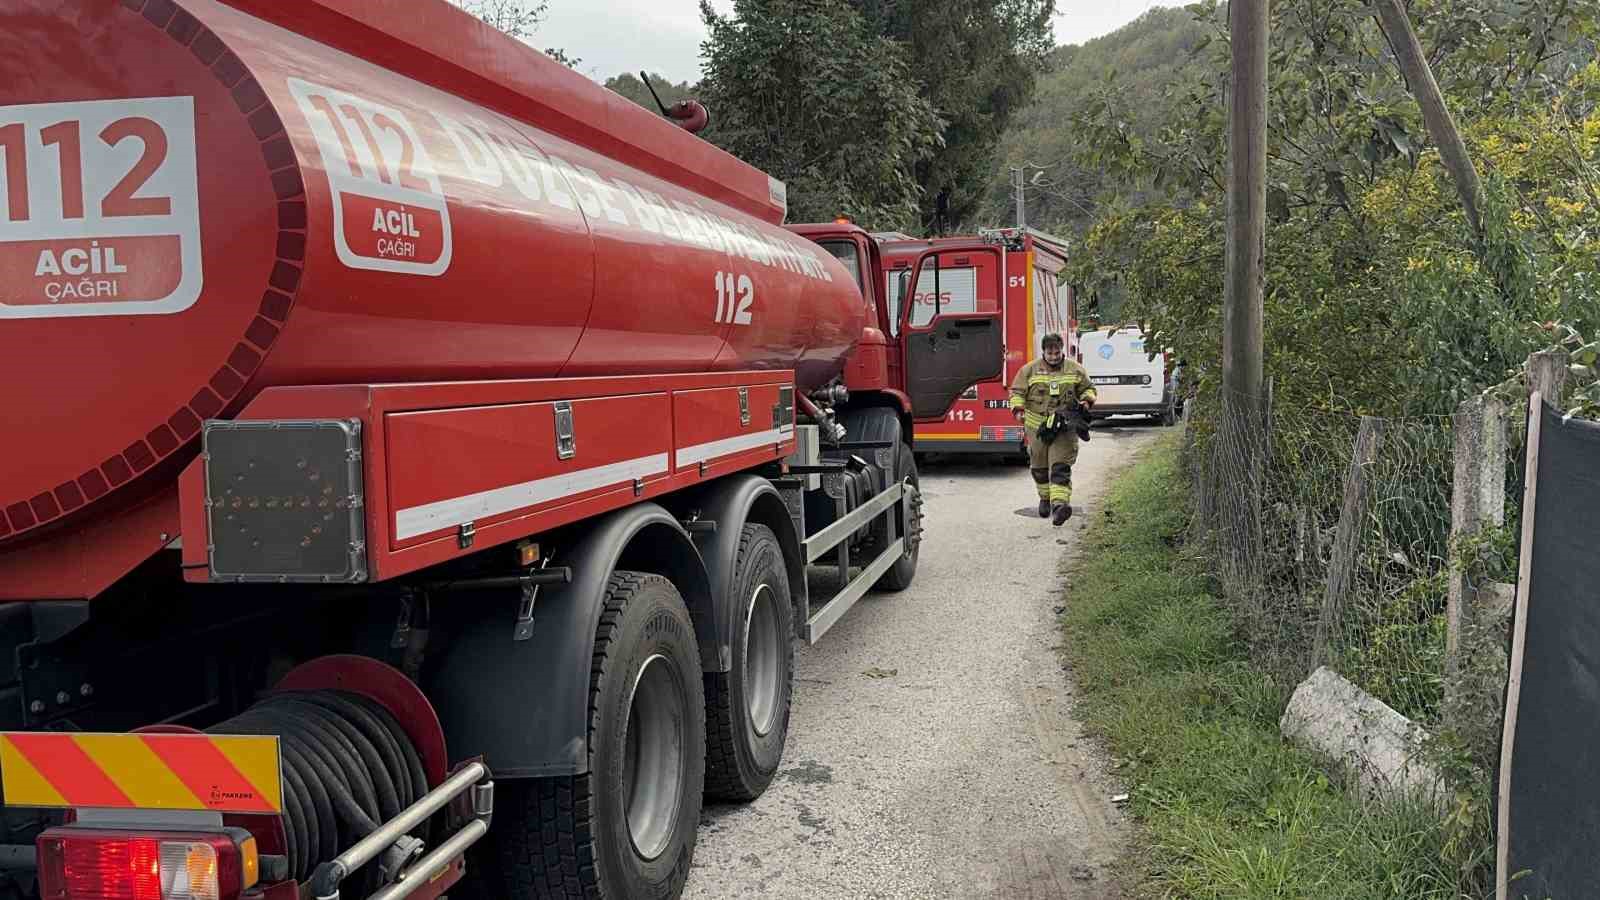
pixel 419 520
pixel 688 456
pixel 415 521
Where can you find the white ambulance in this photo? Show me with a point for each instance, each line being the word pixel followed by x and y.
pixel 1129 378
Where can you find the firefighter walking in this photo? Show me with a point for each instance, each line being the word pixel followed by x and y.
pixel 1044 394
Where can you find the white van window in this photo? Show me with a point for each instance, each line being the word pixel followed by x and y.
pixel 958 293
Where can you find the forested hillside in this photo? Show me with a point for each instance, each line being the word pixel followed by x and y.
pixel 1134 67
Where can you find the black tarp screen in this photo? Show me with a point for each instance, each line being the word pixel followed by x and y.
pixel 1550 791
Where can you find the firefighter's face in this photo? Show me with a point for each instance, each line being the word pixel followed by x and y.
pixel 1053 354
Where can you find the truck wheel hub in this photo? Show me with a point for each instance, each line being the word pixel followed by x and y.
pixel 761 660
pixel 653 767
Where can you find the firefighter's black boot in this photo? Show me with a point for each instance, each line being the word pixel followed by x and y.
pixel 1062 513
pixel 1044 509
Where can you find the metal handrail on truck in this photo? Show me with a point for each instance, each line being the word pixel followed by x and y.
pixel 835 536
pixel 473 777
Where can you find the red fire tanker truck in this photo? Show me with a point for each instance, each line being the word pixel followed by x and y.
pixel 388 406
pixel 1035 302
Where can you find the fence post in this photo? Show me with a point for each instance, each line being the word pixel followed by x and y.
pixel 1477 501
pixel 1548 374
pixel 1475 658
pixel 1347 539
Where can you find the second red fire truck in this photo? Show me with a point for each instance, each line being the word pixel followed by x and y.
pixel 1035 301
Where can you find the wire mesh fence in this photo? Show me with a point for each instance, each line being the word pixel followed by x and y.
pixel 1340 555
pixel 1386 549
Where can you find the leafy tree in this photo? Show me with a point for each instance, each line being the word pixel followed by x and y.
pixel 628 85
pixel 1380 299
pixel 806 90
pixel 519 19
pixel 977 63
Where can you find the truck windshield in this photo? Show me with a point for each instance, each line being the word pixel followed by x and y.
pixel 845 252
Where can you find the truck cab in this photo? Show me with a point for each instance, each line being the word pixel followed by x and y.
pixel 925 358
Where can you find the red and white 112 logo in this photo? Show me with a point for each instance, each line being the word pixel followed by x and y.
pixel 389 211
pixel 99 208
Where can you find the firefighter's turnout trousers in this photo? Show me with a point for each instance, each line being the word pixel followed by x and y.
pixel 1039 390
pixel 1051 462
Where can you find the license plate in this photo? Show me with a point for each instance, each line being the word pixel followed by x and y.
pixel 1106 379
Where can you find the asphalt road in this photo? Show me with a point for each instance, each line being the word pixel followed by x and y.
pixel 932 752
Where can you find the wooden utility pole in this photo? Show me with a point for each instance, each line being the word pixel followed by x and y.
pixel 1242 426
pixel 1247 204
pixel 1441 125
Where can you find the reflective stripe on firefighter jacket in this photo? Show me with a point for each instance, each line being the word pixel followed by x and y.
pixel 1039 390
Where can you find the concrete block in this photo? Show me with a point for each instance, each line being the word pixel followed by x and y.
pixel 1379 749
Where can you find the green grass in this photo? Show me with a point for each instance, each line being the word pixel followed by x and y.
pixel 1227 808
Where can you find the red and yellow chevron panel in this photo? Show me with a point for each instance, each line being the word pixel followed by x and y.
pixel 220 773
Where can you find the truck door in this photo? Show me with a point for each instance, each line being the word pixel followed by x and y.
pixel 947 347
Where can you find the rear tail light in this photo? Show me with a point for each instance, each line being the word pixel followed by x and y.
pixel 84 864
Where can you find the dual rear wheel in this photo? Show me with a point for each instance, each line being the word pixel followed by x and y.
pixel 747 707
pixel 662 734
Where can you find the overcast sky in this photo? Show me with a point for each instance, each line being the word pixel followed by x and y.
pixel 613 36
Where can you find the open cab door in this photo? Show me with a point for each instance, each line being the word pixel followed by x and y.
pixel 947 345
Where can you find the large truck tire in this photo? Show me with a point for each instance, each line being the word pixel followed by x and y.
pixel 626 828
pixel 904 571
pixel 747 707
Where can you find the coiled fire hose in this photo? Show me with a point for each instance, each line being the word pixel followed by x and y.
pixel 347 768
